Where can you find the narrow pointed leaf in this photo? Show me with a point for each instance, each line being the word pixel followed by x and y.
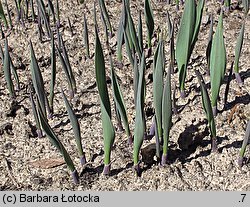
pixel 210 40
pixel 38 81
pixel 52 10
pixel 238 51
pixel 244 144
pixel 69 68
pixel 208 109
pixel 7 71
pixel 158 87
pixel 53 73
pixel 139 31
pixel 149 20
pixel 64 66
pixel 184 40
pixel 8 13
pixel 105 14
pixel 35 114
pixel 166 115
pixel 135 79
pixel 108 129
pixel 128 49
pixel 55 141
pixel 119 100
pixel 2 15
pixel 86 36
pixel 12 67
pixel 171 37
pixel 198 17
pixel 45 17
pixel 246 5
pixel 139 118
pixel 76 129
pixel 120 33
pixel 217 62
pixel 133 34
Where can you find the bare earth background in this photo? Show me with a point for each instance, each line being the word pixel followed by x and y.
pixel 191 165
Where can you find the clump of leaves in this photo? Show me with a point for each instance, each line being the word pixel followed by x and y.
pixel 187 37
pixel 119 101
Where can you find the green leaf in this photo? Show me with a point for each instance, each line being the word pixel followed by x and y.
pixel 139 118
pixel 69 68
pixel 53 73
pixel 158 86
pixel 210 39
pixel 12 67
pixel 86 36
pixel 7 71
pixel 128 49
pixel 149 20
pixel 135 79
pixel 184 40
pixel 35 113
pixel 244 144
pixel 58 13
pixel 119 100
pixel 76 129
pixel 108 129
pixel 38 81
pixel 44 16
pixel 8 13
pixel 217 61
pixel 199 12
pixel 238 48
pixel 139 31
pixel 51 8
pixel 54 140
pixel 64 66
pixel 106 15
pixel 166 114
pixel 2 15
pixel 207 108
pixel 133 34
pixel 120 32
pixel 171 37
pixel 246 4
